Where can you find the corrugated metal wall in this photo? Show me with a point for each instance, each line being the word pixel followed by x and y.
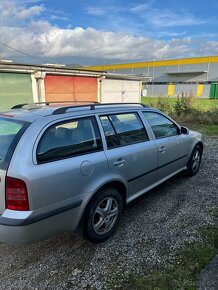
pixel 15 88
pixel 185 89
pixel 70 88
pixel 188 75
pixel 156 63
pixel 197 90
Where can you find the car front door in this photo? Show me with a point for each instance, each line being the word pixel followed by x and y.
pixel 130 153
pixel 173 147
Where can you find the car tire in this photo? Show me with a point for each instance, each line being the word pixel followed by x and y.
pixel 194 161
pixel 103 215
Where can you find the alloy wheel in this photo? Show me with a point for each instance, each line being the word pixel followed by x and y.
pixel 105 215
pixel 196 160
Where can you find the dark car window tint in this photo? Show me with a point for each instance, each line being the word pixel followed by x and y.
pixel 161 126
pixel 110 134
pixel 123 129
pixel 68 139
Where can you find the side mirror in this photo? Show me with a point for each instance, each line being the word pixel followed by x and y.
pixel 184 130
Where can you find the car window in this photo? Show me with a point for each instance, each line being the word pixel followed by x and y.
pixel 161 126
pixel 123 129
pixel 10 133
pixel 67 139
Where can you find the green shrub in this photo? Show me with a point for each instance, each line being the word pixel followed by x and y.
pixel 163 104
pixel 214 116
pixel 184 104
pixel 194 116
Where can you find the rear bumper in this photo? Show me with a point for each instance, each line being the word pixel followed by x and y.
pixel 37 227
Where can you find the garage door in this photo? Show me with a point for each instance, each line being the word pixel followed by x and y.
pixel 15 89
pixel 121 91
pixel 64 88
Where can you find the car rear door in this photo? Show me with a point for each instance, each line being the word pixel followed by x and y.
pixel 70 162
pixel 173 147
pixel 129 151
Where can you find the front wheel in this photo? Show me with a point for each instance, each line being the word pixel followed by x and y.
pixel 194 161
pixel 103 215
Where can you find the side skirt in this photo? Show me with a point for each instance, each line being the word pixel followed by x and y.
pixel 141 192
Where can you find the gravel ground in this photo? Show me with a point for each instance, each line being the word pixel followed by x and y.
pixel 153 229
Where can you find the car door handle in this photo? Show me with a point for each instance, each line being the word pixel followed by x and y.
pixel 162 149
pixel 119 162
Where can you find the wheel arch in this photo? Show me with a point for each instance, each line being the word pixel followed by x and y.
pixel 117 184
pixel 121 187
pixel 189 170
pixel 198 143
pixel 201 145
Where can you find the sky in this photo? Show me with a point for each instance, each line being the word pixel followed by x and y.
pixel 109 31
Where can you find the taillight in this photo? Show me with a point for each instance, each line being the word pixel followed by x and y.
pixel 16 194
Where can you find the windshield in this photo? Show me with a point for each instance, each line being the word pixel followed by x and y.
pixel 10 133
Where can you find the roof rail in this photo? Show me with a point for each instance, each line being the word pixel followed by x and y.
pixel 19 106
pixel 92 106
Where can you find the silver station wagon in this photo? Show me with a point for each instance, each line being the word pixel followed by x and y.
pixel 75 167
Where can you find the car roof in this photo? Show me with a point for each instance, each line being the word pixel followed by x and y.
pixel 33 112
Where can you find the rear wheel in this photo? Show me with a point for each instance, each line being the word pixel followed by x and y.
pixel 194 161
pixel 103 215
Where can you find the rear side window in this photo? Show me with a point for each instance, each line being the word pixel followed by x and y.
pixel 68 139
pixel 10 133
pixel 123 129
pixel 161 126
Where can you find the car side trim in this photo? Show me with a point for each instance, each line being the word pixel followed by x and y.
pixel 24 222
pixel 143 174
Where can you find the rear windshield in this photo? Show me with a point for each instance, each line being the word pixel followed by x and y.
pixel 10 133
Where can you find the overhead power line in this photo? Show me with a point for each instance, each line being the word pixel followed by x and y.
pixel 24 53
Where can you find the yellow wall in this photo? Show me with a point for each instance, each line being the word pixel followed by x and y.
pixel 155 63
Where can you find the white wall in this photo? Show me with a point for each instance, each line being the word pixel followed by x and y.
pixel 120 91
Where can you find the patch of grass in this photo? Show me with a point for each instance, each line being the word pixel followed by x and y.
pixel 181 275
pixel 183 272
pixel 209 130
pixel 203 105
